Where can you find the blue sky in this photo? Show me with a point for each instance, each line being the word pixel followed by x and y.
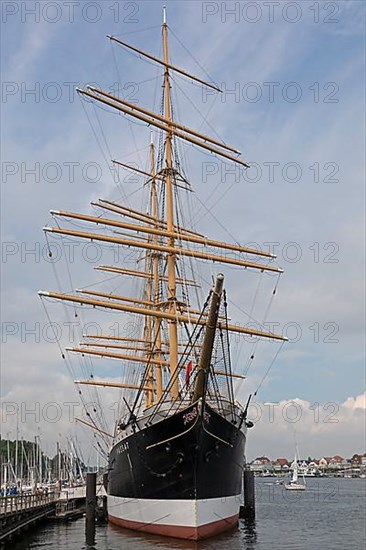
pixel 320 138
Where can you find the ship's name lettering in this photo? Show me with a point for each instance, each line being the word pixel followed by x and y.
pixel 206 416
pixel 123 447
pixel 189 416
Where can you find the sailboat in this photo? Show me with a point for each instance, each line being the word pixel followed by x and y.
pixel 294 484
pixel 176 456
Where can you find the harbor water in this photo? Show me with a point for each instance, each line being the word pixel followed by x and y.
pixel 329 515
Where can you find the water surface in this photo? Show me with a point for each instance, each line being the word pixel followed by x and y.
pixel 330 515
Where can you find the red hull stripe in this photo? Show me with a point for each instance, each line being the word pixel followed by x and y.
pixel 179 531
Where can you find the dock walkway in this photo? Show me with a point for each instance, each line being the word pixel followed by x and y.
pixel 18 512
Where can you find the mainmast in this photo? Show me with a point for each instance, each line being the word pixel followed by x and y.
pixel 171 257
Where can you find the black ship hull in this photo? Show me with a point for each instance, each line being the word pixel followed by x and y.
pixel 180 476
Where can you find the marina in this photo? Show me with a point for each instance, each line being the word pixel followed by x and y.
pixel 24 512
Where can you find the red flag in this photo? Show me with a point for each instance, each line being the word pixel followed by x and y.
pixel 188 373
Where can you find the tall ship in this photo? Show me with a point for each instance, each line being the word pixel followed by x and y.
pixel 177 451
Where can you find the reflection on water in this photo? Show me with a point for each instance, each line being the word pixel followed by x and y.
pixel 148 540
pixel 90 536
pixel 249 532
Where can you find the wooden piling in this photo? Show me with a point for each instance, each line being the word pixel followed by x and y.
pixel 90 508
pixel 248 510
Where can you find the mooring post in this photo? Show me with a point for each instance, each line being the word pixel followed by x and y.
pixel 90 509
pixel 248 510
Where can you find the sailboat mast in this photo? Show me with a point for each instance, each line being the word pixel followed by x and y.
pixel 157 328
pixel 58 464
pixel 171 259
pixel 40 460
pixel 21 464
pixel 16 448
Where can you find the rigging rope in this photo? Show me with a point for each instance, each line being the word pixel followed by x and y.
pixel 269 368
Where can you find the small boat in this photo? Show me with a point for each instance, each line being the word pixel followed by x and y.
pixel 294 484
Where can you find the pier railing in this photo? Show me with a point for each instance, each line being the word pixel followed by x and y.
pixel 17 503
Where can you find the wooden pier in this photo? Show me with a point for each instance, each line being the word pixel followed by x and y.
pixel 21 512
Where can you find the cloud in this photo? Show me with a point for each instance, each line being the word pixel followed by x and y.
pixel 32 42
pixel 318 428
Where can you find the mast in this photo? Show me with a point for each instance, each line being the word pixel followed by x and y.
pixel 58 463
pixel 208 341
pixel 157 328
pixel 6 477
pixel 16 447
pixel 24 457
pixel 21 465
pixel 171 259
pixel 40 460
pixel 35 460
pixel 8 448
pixel 148 337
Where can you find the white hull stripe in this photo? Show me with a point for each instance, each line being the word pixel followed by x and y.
pixel 184 513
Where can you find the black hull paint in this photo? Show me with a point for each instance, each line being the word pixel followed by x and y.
pixel 188 455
